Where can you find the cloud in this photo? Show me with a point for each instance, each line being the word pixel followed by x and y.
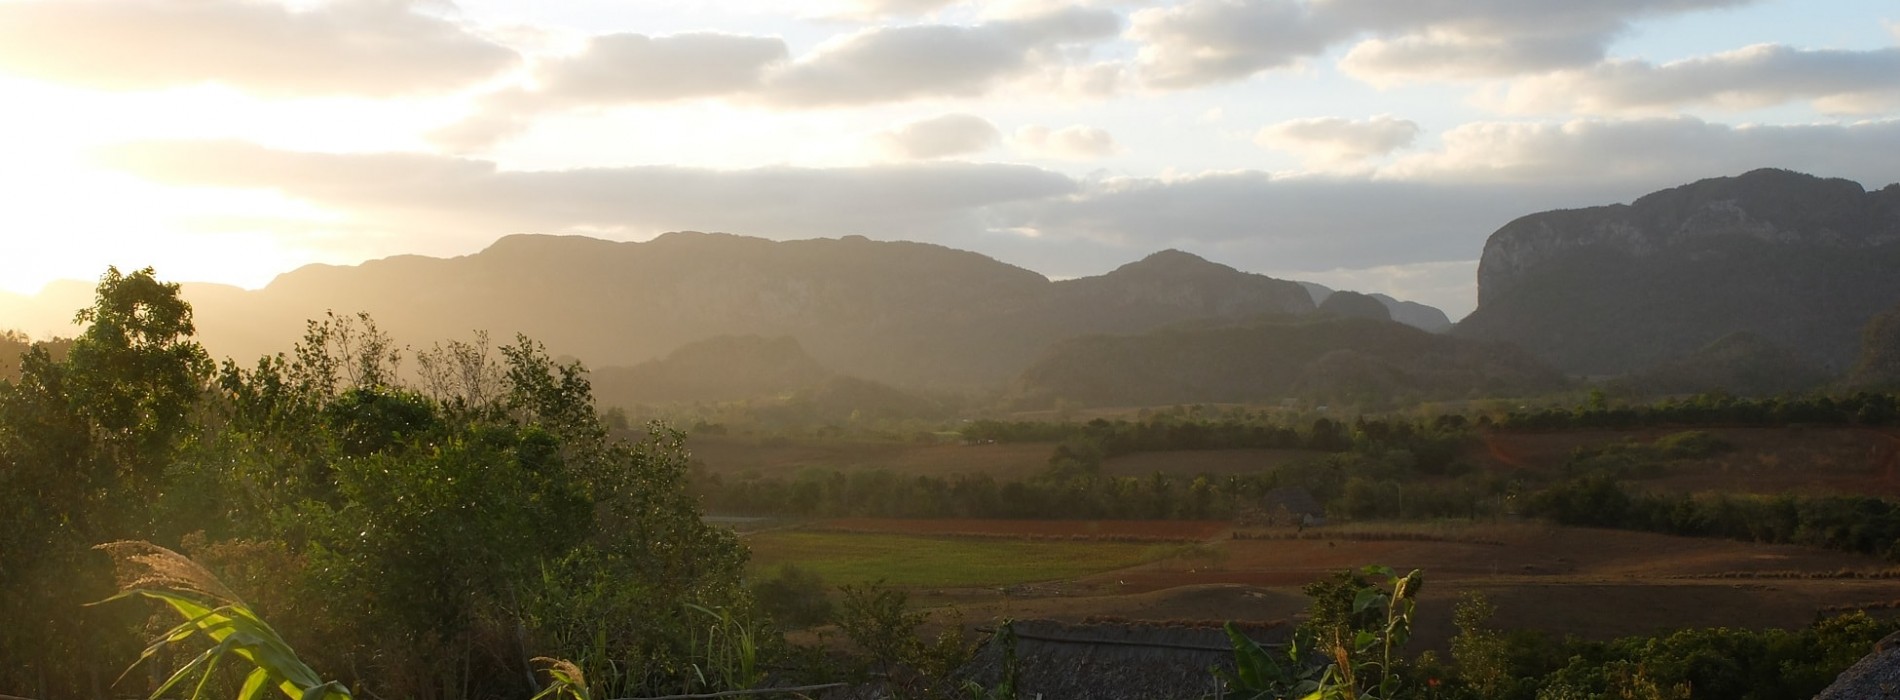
pixel 871 66
pixel 407 192
pixel 1428 206
pixel 1199 42
pixel 639 68
pixel 879 9
pixel 1075 142
pixel 1489 38
pixel 1656 152
pixel 1756 76
pixel 376 48
pixel 1333 141
pixel 889 64
pixel 938 137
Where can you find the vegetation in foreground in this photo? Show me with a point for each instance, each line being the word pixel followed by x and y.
pixel 433 538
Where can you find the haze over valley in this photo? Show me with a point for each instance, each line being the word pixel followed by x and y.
pixel 949 349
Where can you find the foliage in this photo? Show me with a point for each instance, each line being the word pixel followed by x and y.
pixel 1348 648
pixel 229 625
pixel 794 597
pixel 421 542
pixel 1850 523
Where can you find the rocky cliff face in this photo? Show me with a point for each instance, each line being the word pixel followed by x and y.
pixel 1766 206
pixel 1801 261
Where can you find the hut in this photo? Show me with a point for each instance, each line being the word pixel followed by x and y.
pixel 1288 506
pixel 1101 659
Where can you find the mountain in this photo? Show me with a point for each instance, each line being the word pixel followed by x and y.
pixel 1321 358
pixel 1879 363
pixel 1411 313
pixel 1740 363
pixel 1355 305
pixel 907 314
pixel 1800 261
pixel 722 368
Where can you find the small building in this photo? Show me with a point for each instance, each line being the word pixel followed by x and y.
pixel 1107 659
pixel 1290 506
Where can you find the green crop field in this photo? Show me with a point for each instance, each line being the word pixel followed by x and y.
pixel 930 562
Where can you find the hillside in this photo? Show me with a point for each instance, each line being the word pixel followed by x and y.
pixel 909 314
pixel 1411 313
pixel 723 368
pixel 1801 261
pixel 1740 363
pixel 1879 363
pixel 1320 359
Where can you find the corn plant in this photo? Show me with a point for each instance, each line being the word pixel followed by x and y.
pixel 731 652
pixel 1347 651
pixel 213 612
pixel 565 681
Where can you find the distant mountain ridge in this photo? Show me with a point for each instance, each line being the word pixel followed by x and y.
pixel 1411 313
pixel 1800 261
pixel 908 314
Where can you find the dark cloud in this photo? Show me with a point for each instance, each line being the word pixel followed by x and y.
pixel 938 137
pixel 377 48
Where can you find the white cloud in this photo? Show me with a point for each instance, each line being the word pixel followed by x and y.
pixel 876 65
pixel 1756 76
pixel 1074 142
pixel 1429 206
pixel 1657 152
pixel 410 192
pixel 889 64
pixel 639 68
pixel 1332 142
pixel 377 48
pixel 1198 42
pixel 939 137
pixel 868 10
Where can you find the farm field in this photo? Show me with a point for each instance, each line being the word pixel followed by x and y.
pixel 1160 530
pixel 738 456
pixel 1794 460
pixel 1586 582
pixel 1217 462
pixel 912 561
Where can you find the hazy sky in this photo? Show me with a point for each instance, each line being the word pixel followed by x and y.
pixel 1369 144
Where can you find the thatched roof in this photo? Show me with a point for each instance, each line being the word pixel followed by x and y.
pixel 1295 500
pixel 1875 677
pixel 1116 660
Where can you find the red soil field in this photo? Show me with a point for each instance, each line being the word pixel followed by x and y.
pixel 1797 459
pixel 1176 530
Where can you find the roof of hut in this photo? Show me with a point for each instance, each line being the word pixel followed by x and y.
pixel 1103 659
pixel 1294 499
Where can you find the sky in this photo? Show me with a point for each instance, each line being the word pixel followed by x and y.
pixel 1363 144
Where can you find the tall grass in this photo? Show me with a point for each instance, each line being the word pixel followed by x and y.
pixel 213 614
